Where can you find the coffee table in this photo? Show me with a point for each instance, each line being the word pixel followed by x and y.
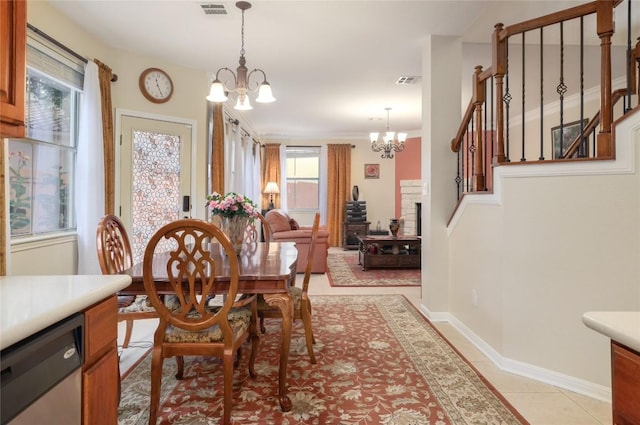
pixel 376 251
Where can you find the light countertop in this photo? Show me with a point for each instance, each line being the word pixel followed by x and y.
pixel 620 326
pixel 29 304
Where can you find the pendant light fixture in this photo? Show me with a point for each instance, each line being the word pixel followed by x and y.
pixel 241 79
pixel 389 142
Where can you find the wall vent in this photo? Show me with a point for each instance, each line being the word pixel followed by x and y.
pixel 214 9
pixel 407 80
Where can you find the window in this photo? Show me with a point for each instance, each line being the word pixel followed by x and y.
pixel 303 178
pixel 41 167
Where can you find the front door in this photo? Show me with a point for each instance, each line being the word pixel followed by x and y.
pixel 155 176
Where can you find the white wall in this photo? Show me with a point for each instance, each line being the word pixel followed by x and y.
pixel 553 242
pixel 441 65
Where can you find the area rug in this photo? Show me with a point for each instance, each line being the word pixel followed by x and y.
pixel 379 362
pixel 344 270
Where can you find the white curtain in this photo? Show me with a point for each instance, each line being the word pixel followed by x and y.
pixel 257 175
pixel 283 177
pixel 228 156
pixel 251 170
pixel 242 163
pixel 323 188
pixel 238 154
pixel 89 172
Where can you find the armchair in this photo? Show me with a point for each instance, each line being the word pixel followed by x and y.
pixel 280 224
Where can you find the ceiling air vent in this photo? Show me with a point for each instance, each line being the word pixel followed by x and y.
pixel 213 9
pixel 407 80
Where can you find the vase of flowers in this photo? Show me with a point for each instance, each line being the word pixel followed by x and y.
pixel 235 212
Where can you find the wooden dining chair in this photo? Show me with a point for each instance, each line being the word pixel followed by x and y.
pixel 191 327
pixel 301 302
pixel 114 256
pixel 252 235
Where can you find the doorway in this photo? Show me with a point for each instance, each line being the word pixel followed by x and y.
pixel 155 175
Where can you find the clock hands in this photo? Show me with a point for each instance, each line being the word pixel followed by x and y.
pixel 158 85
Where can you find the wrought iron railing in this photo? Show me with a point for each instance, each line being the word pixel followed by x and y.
pixel 511 119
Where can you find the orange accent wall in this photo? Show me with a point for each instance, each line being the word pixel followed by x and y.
pixel 408 166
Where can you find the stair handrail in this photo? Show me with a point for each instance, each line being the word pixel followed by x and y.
pixel 498 70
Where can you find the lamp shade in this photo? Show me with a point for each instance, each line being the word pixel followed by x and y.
pixel 243 103
pixel 264 94
pixel 271 187
pixel 216 93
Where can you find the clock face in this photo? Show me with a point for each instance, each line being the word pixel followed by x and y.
pixel 156 85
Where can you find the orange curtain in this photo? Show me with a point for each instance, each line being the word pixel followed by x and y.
pixel 338 190
pixel 271 172
pixel 105 76
pixel 217 150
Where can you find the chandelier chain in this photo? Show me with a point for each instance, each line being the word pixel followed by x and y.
pixel 242 35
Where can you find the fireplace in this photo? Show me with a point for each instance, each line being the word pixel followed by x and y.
pixel 410 196
pixel 419 218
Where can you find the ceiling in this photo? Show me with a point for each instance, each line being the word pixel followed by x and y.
pixel 333 65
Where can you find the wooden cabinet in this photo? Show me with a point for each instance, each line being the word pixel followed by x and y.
pixel 100 376
pixel 350 232
pixel 13 26
pixel 625 385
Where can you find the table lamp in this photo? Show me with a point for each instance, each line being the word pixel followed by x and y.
pixel 271 188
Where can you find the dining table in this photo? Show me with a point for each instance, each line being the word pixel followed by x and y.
pixel 265 268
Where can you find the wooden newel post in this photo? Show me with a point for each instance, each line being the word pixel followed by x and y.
pixel 605 29
pixel 499 68
pixel 478 101
pixel 635 75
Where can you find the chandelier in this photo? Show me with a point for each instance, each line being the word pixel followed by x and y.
pixel 241 79
pixel 389 143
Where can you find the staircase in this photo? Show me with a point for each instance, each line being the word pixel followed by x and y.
pixel 543 99
pixel 539 237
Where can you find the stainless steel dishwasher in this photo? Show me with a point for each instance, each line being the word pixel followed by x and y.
pixel 41 376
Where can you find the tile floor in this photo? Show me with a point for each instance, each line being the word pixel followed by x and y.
pixel 539 403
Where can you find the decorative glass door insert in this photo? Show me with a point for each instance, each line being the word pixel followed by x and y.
pixel 155 177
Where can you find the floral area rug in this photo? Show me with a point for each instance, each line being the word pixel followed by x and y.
pixel 379 362
pixel 344 270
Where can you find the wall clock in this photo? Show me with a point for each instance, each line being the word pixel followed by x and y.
pixel 156 85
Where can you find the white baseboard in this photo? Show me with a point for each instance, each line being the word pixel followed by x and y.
pixel 516 367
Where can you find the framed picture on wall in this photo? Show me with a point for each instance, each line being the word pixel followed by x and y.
pixel 569 133
pixel 371 171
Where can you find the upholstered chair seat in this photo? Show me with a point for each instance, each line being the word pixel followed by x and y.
pixel 239 319
pixel 139 304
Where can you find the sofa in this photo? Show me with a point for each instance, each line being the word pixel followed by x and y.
pixel 285 229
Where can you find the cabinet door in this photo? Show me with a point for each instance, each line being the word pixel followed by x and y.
pixel 625 385
pixel 13 25
pixel 100 391
pixel 100 374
